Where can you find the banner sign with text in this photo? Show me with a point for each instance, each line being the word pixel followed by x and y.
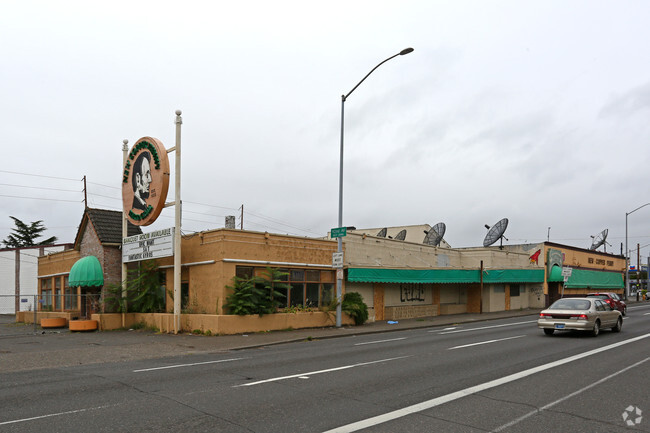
pixel 154 245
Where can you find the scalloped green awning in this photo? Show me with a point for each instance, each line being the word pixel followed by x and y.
pixel 382 275
pixel 86 272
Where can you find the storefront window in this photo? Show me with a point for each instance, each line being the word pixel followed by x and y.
pixel 58 298
pixel 307 287
pixel 46 294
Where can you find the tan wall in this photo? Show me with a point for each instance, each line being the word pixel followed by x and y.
pixel 230 248
pixel 371 251
pixel 57 263
pixel 223 325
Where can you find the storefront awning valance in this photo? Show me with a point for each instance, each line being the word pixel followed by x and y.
pixel 86 272
pixel 582 279
pixel 513 276
pixel 441 276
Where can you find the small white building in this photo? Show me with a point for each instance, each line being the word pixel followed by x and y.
pixel 18 275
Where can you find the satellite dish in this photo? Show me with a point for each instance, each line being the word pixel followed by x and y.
pixel 382 233
pixel 496 233
pixel 434 236
pixel 599 240
pixel 400 236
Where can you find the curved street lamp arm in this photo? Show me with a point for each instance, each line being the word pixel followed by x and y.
pixel 647 204
pixel 401 53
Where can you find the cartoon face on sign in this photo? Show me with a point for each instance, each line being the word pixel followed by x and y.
pixel 145 181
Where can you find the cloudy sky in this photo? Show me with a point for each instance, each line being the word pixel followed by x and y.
pixel 536 111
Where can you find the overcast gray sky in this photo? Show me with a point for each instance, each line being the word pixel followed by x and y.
pixel 532 110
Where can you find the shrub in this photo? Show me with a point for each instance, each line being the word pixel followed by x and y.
pixel 353 305
pixel 256 295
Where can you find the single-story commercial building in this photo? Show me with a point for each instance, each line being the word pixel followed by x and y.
pixel 396 278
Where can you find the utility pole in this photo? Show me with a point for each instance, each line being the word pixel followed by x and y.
pixel 85 194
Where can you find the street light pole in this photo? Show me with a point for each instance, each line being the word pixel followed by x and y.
pixel 627 254
pixel 339 277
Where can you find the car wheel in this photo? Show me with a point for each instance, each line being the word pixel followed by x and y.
pixel 619 325
pixel 596 330
pixel 548 331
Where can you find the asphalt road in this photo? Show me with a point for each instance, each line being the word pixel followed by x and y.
pixel 501 375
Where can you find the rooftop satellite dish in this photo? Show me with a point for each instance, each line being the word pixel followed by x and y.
pixel 382 233
pixel 400 236
pixel 434 236
pixel 496 233
pixel 598 240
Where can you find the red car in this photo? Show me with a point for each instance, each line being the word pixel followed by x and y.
pixel 612 299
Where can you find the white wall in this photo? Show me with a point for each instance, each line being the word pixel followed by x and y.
pixel 28 277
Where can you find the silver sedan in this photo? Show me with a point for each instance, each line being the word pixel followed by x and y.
pixel 579 314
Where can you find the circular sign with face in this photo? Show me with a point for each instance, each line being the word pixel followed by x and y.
pixel 145 181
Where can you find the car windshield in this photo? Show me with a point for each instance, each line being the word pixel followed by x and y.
pixel 570 304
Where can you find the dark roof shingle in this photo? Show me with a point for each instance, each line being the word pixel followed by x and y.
pixel 108 225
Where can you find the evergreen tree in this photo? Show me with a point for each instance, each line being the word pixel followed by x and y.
pixel 25 235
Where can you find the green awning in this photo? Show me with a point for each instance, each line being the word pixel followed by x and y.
pixel 556 275
pixel 514 275
pixel 583 279
pixel 422 276
pixel 86 272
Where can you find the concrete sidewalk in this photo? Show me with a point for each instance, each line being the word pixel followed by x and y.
pixel 56 349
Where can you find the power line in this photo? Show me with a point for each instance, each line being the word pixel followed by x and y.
pixel 38 198
pixel 101 184
pixel 40 187
pixel 39 175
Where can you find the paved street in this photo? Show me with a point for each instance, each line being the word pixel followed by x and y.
pixel 498 375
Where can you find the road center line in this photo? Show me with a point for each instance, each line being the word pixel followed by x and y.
pixel 380 419
pixel 484 327
pixel 566 397
pixel 311 373
pixel 186 365
pixel 53 414
pixel 484 342
pixel 380 341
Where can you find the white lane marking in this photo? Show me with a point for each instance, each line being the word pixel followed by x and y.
pixel 566 397
pixel 380 419
pixel 484 342
pixel 186 365
pixel 449 329
pixel 381 341
pixel 53 414
pixel 645 314
pixel 311 373
pixel 484 327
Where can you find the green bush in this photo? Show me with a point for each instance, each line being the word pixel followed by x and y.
pixel 353 305
pixel 144 291
pixel 256 295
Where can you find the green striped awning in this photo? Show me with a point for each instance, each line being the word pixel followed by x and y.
pixel 86 272
pixel 382 275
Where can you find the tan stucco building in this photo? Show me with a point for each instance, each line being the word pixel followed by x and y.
pixel 397 279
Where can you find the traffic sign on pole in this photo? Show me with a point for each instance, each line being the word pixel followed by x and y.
pixel 339 232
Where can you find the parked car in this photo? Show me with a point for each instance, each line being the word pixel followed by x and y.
pixel 580 314
pixel 612 299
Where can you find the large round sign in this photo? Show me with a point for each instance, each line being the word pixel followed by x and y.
pixel 145 181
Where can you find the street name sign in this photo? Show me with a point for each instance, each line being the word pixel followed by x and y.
pixel 339 232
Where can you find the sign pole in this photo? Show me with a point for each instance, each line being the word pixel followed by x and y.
pixel 125 233
pixel 177 225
